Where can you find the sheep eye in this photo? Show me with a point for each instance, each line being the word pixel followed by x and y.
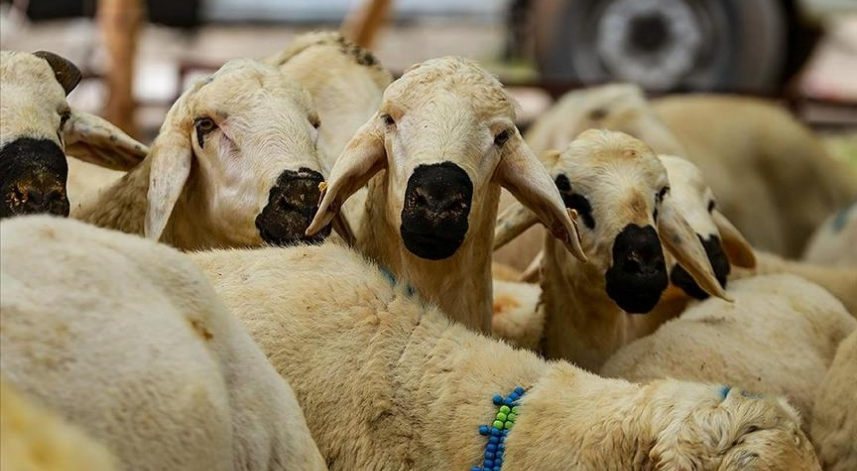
pixel 711 206
pixel 663 193
pixel 203 126
pixel 64 117
pixel 316 123
pixel 501 138
pixel 388 120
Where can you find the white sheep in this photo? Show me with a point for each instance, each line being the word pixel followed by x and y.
pixel 620 192
pixel 778 337
pixel 834 418
pixel 835 242
pixel 38 129
pixel 33 438
pixel 754 154
pixel 234 165
pixel 435 155
pixel 388 382
pixel 127 341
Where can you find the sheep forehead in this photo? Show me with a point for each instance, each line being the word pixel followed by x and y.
pixel 599 156
pixel 473 85
pixel 29 93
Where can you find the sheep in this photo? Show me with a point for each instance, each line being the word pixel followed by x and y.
pixel 38 129
pixel 389 382
pixel 33 438
pixel 126 340
pixel 834 419
pixel 754 155
pixel 435 155
pixel 235 165
pixel 516 317
pixel 779 337
pixel 835 242
pixel 620 191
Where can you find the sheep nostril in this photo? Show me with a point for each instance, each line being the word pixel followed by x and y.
pixel 34 197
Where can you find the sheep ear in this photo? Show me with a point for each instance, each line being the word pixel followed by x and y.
pixel 171 160
pixel 526 178
pixel 682 242
pixel 738 250
pixel 97 141
pixel 66 73
pixel 512 222
pixel 363 157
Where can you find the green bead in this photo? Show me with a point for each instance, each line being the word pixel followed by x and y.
pixel 516 409
pixel 511 417
pixel 498 424
pixel 505 409
pixel 501 416
pixel 508 424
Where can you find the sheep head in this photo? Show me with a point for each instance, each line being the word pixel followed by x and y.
pixel 37 129
pixel 239 150
pixel 723 243
pixel 445 135
pixel 621 194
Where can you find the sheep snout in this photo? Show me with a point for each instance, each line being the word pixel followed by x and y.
pixel 292 205
pixel 33 175
pixel 638 274
pixel 435 211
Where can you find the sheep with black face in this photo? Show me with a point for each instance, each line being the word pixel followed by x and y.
pixel 235 165
pixel 620 192
pixel 435 156
pixel 38 128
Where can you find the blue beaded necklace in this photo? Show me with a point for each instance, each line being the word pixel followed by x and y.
pixel 499 429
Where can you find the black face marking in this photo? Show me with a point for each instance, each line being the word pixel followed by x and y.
pixel 598 114
pixel 638 275
pixel 436 208
pixel 33 175
pixel 575 201
pixel 719 262
pixel 292 205
pixel 360 55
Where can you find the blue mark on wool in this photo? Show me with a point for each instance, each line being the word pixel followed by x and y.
pixel 391 278
pixel 724 391
pixel 840 219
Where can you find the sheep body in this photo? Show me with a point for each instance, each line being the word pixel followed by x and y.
pixel 388 382
pixel 835 242
pixel 834 424
pixel 126 340
pixel 36 439
pixel 779 337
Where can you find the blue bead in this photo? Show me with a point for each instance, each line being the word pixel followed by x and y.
pixel 491 447
pixel 505 432
pixel 476 468
pixel 502 439
pixel 514 396
pixel 488 463
pixel 519 391
pixel 508 401
pixel 498 462
pixel 484 430
pixel 499 456
pixel 501 446
pixel 496 431
pixel 489 455
pixel 496 468
pixel 498 399
pixel 493 440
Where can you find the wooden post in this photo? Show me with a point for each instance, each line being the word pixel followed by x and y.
pixel 120 21
pixel 363 24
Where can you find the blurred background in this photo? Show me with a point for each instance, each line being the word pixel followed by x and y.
pixel 138 55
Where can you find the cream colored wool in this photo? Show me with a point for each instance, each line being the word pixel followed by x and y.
pixel 516 317
pixel 32 104
pixel 194 196
pixel 621 177
pixel 834 424
pixel 388 382
pixel 779 337
pixel 126 340
pixel 442 110
pixel 835 242
pixel 33 438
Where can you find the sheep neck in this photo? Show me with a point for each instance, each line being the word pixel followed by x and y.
pixel 582 324
pixel 122 205
pixel 461 284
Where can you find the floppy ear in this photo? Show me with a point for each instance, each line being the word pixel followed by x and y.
pixel 363 157
pixel 526 178
pixel 66 73
pixel 683 244
pixel 171 160
pixel 97 141
pixel 737 249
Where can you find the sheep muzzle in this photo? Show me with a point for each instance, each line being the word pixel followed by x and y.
pixel 33 175
pixel 292 204
pixel 638 275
